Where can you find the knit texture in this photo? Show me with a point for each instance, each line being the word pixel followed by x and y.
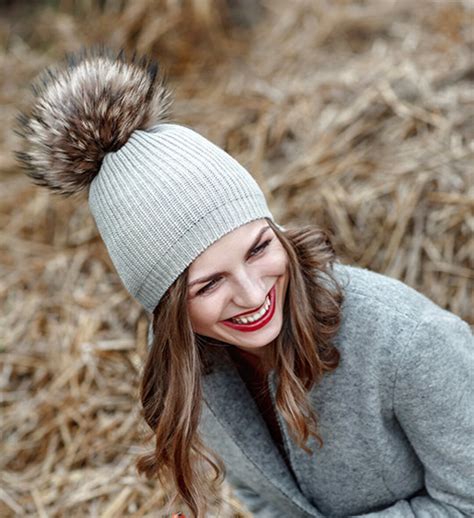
pixel 162 199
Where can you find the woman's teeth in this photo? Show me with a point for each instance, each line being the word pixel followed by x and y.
pixel 255 316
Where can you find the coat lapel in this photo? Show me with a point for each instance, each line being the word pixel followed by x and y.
pixel 229 400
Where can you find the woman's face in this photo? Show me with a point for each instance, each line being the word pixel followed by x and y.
pixel 242 275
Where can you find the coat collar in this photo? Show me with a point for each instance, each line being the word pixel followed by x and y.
pixel 229 400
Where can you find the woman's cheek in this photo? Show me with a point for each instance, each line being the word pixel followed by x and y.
pixel 194 315
pixel 278 261
pixel 203 314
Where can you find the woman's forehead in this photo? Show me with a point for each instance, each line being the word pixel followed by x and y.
pixel 235 242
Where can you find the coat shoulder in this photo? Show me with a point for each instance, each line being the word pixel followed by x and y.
pixel 381 296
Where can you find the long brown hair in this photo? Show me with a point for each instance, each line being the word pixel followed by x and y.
pixel 301 354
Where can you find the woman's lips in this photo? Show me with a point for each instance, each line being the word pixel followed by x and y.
pixel 258 324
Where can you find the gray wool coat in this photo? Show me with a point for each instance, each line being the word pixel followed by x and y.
pixel 396 416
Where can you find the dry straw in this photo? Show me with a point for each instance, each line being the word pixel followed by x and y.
pixel 356 116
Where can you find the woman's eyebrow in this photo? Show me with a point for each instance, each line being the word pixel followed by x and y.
pixel 212 276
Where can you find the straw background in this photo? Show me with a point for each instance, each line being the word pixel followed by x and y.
pixel 353 115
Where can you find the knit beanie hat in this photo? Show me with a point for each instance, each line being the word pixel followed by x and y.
pixel 160 193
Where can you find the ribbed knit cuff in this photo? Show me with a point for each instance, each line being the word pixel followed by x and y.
pixel 195 240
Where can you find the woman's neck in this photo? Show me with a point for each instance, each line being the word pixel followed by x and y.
pixel 258 360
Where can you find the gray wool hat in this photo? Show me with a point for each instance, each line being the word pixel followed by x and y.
pixel 162 199
pixel 160 193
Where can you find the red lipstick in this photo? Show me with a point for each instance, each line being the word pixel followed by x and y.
pixel 258 324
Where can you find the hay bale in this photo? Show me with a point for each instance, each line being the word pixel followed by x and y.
pixel 356 116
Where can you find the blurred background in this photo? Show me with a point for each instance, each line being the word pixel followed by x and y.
pixel 356 116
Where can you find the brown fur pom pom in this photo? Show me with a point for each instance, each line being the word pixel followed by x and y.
pixel 84 110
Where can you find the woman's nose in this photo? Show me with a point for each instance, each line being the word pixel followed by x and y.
pixel 250 293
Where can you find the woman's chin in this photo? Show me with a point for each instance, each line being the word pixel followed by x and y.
pixel 256 339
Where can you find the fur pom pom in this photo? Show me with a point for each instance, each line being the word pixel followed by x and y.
pixel 84 110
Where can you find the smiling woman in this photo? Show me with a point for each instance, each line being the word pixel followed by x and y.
pixel 318 389
pixel 190 333
pixel 247 293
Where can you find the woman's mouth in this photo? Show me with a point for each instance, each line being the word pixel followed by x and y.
pixel 256 320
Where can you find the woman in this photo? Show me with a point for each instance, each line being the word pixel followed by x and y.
pixel 319 389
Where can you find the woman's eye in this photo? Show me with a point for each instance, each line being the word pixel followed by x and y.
pixel 260 248
pixel 256 251
pixel 207 287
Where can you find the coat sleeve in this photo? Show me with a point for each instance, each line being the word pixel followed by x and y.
pixel 434 404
